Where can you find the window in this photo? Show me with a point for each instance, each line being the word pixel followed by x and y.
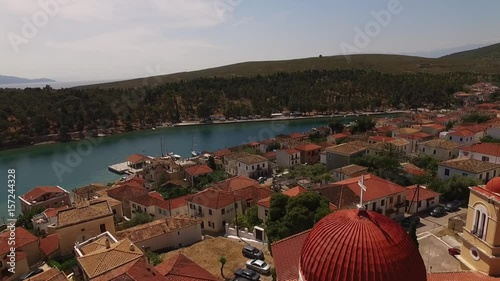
pixel 236 205
pixel 102 227
pixel 461 139
pixel 239 164
pixel 485 158
pixel 253 168
pixel 434 152
pixel 450 137
pixel 246 167
pixel 423 149
pixel 223 211
pixel 480 221
pixel 446 172
pixel 464 174
pixel 419 204
pixel 133 205
pixel 266 212
pixel 391 200
pixel 374 206
pixel 114 211
pixel 263 165
pixel 399 199
pixel 210 211
pixel 449 153
pixel 83 229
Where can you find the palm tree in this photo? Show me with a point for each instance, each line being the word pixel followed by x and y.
pixel 222 261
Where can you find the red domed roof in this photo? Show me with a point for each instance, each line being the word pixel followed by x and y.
pixel 494 185
pixel 354 245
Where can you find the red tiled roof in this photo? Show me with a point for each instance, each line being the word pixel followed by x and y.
pixel 20 255
pixel 474 128
pixel 415 136
pixel 435 126
pixel 484 148
pixel 136 158
pixel 254 192
pixel 138 269
pixel 290 150
pixel 49 244
pixel 423 193
pixel 235 183
pixel 360 245
pixel 213 198
pixel 270 155
pixel 198 170
pixel 412 169
pixel 297 135
pixel 181 268
pixel 52 212
pixel 459 276
pixel 375 187
pixel 340 135
pixel 386 129
pixel 308 147
pixel 220 153
pixel 23 238
pixel 461 133
pixel 39 191
pixel 156 199
pixel 286 255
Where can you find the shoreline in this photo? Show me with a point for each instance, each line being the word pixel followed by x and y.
pixel 200 123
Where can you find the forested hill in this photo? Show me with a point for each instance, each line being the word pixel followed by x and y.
pixel 489 54
pixel 28 113
pixel 391 64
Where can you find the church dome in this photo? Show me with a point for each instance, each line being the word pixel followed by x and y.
pixel 357 245
pixel 494 185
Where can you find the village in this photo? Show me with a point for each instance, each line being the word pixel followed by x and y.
pixel 243 213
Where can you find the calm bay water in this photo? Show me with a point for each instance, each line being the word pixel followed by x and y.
pixel 83 162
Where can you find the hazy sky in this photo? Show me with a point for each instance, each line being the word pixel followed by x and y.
pixel 115 39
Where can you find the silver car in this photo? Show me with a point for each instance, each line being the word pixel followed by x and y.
pixel 259 266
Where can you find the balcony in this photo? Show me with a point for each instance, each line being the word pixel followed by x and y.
pixel 199 214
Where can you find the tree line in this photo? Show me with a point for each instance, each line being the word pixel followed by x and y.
pixel 33 112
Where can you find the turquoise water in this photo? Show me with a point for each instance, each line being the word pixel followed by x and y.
pixel 76 164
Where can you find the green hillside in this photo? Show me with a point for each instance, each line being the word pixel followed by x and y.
pixel 394 64
pixel 489 53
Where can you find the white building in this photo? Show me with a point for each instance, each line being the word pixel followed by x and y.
pixel 441 149
pixel 252 166
pixel 468 167
pixel 462 137
pixel 419 198
pixel 488 152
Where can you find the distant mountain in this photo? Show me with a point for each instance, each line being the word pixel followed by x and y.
pixel 18 80
pixel 489 53
pixel 436 53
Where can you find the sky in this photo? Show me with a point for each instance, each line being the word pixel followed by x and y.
pixel 81 40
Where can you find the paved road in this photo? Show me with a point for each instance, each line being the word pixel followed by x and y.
pixel 428 223
pixel 434 252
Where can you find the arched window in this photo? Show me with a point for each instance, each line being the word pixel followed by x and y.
pixel 480 221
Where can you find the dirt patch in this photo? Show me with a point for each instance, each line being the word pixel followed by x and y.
pixel 207 253
pixel 446 231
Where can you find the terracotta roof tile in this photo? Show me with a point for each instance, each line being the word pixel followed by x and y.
pixel 250 159
pixel 181 268
pixel 440 143
pixel 412 169
pixel 375 187
pixel 213 198
pixel 23 238
pixel 104 260
pixel 198 170
pixel 339 195
pixel 52 212
pixel 290 151
pixel 308 147
pixel 483 148
pixel 380 138
pixel 469 165
pixel 49 244
pixel 156 228
pixel 292 192
pixel 84 213
pixel 348 148
pixel 89 191
pixel 352 170
pixel 461 133
pixel 126 192
pixel 137 158
pixel 38 191
pixel 423 193
pixel 156 199
pixel 136 270
pixel 286 255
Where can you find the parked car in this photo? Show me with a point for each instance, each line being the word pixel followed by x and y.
pixel 438 211
pixel 262 180
pixel 409 220
pixel 454 251
pixel 248 274
pixel 252 253
pixel 453 206
pixel 258 266
pixel 30 274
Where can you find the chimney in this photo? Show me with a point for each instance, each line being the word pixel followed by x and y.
pixel 132 248
pixel 107 243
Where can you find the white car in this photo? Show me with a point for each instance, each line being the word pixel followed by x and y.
pixel 259 266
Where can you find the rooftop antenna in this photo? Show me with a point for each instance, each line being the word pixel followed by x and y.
pixel 361 184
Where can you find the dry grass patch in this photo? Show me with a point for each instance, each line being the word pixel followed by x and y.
pixel 207 253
